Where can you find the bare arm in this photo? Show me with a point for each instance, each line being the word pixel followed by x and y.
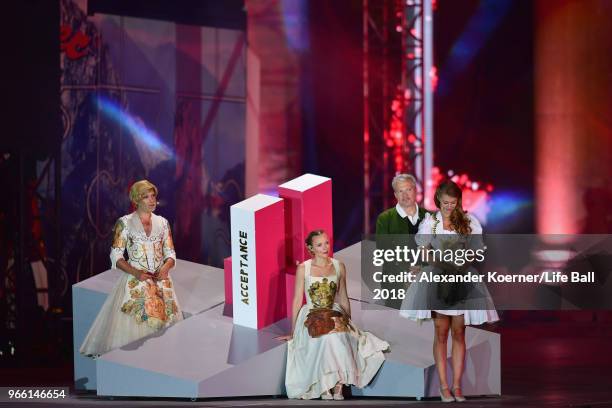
pixel 298 296
pixel 168 252
pixel 165 269
pixel 343 299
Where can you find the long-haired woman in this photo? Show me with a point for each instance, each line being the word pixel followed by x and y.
pixel 450 228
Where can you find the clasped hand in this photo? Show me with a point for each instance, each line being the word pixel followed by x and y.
pixel 160 274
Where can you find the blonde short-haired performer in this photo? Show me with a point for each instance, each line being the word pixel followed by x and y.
pixel 143 300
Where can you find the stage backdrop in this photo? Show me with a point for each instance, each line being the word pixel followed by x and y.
pixel 148 99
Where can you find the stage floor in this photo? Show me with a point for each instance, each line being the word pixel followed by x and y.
pixel 552 364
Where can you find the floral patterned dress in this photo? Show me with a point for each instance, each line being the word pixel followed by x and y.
pixel 134 308
pixel 327 347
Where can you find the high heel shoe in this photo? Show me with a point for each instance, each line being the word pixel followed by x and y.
pixel 338 393
pixel 446 399
pixel 327 395
pixel 458 398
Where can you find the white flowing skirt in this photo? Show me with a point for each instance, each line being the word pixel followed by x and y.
pixel 114 328
pixel 481 309
pixel 315 365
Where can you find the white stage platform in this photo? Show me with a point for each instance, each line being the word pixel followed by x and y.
pixel 206 356
pixel 198 288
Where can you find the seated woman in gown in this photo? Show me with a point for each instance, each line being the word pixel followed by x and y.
pixel 143 299
pixel 325 349
pixel 450 227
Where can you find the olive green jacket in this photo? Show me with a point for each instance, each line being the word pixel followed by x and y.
pixel 390 222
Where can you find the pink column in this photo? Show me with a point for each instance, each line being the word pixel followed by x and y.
pixel 227 280
pixel 308 206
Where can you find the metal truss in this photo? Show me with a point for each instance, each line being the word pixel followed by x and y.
pixel 398 98
pixel 418 81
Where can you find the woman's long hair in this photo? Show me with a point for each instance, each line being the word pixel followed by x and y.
pixel 458 218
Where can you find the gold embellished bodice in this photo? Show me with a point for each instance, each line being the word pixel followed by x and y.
pixel 321 290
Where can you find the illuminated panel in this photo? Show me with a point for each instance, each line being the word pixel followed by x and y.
pixel 258 261
pixel 559 116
